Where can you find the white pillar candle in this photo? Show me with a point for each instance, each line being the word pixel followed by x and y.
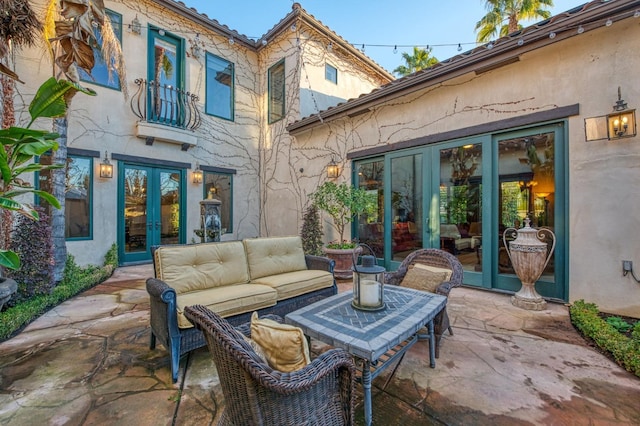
pixel 369 292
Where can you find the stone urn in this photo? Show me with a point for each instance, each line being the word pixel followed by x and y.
pixel 529 256
pixel 7 289
pixel 344 261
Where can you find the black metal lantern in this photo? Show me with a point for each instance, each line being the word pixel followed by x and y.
pixel 368 283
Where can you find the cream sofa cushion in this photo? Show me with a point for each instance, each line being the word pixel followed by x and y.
pixel 226 301
pixel 274 255
pixel 194 267
pixel 293 284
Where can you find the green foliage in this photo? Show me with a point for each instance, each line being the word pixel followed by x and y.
pixel 421 59
pixel 619 324
pixel 503 16
pixel 76 279
pixel 32 241
pixel 311 232
pixel 625 351
pixel 343 203
pixel 19 146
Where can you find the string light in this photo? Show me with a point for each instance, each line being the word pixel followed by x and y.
pixel 395 49
pixel 580 29
pixel 520 41
pixel 552 35
pixel 637 13
pixel 609 22
pixel 231 40
pixel 459 47
pixel 330 47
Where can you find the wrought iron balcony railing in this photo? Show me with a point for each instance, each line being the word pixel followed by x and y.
pixel 166 105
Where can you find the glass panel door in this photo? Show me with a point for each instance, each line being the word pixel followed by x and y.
pixel 151 212
pixel 407 197
pixel 370 177
pixel 136 210
pixel 165 79
pixel 527 189
pixel 460 206
pixel 169 220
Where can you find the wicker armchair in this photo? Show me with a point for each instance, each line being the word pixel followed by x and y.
pixel 322 393
pixel 441 259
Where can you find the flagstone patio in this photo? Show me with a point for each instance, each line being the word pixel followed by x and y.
pixel 88 362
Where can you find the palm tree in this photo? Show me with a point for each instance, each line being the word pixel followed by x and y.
pixel 420 60
pixel 75 36
pixel 503 16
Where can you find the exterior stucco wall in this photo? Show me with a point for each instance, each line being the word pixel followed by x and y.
pixel 106 122
pixel 602 175
pixel 288 172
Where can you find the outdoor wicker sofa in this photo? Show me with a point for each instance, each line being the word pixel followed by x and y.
pixel 234 279
pixel 441 259
pixel 321 393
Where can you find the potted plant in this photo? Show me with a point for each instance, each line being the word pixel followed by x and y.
pixel 342 203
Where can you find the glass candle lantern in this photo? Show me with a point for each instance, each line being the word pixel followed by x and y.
pixel 368 283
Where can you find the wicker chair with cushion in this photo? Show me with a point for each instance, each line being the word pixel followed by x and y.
pixel 438 259
pixel 321 393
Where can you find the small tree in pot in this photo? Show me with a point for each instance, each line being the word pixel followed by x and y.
pixel 343 203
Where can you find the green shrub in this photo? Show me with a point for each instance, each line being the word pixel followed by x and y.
pixel 311 232
pixel 619 324
pixel 625 351
pixel 31 241
pixel 76 279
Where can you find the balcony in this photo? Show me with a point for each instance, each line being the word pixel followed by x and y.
pixel 166 113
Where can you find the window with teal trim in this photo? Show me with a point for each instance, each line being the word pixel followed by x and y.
pixel 276 92
pixel 220 87
pixel 78 197
pixel 220 186
pixel 100 72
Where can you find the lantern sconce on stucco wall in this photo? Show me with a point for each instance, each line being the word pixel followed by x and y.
pixel 196 175
pixel 332 169
pixel 621 123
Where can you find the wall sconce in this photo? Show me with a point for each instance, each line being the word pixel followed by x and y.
pixel 135 27
pixel 332 169
pixel 197 175
pixel 196 50
pixel 622 122
pixel 106 168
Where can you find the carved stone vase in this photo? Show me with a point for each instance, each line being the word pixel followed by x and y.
pixel 529 256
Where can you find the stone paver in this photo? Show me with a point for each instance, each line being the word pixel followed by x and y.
pixel 88 362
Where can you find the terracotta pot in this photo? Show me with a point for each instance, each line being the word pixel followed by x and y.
pixel 344 261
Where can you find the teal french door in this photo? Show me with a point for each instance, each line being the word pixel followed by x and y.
pixel 460 196
pixel 151 210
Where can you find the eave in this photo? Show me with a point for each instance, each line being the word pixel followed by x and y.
pixel 497 53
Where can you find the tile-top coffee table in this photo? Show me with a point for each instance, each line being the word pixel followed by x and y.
pixel 376 338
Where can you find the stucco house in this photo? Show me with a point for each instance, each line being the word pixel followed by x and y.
pixel 206 114
pixel 512 129
pixel 517 128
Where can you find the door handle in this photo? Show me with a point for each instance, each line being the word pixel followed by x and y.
pixel 150 226
pixel 157 225
pixel 426 225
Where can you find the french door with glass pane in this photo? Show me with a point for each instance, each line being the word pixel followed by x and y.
pixel 460 196
pixel 150 210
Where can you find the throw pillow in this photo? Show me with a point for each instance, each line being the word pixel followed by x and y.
pixel 284 346
pixel 434 269
pixel 423 279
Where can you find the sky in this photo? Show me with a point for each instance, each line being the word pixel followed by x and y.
pixel 436 23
